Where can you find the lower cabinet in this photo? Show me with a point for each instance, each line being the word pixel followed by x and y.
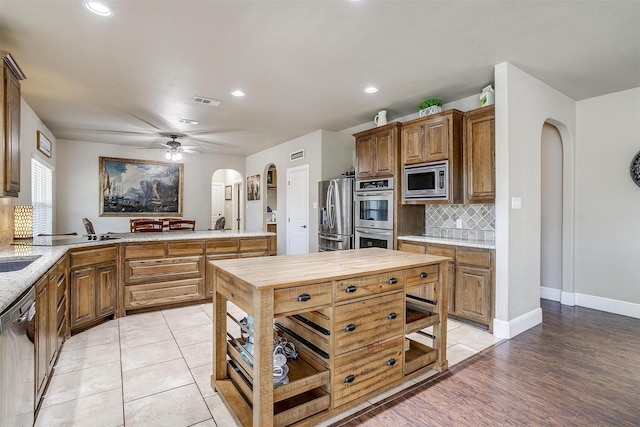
pixel 471 276
pixel 93 286
pixel 51 327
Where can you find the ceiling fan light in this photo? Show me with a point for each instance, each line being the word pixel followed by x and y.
pixel 97 8
pixel 178 156
pixel 167 155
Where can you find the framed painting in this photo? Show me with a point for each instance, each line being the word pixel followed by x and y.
pixel 44 144
pixel 227 192
pixel 140 187
pixel 253 187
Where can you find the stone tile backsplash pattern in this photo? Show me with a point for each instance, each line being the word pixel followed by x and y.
pixel 478 222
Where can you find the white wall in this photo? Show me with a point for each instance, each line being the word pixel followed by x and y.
pixel 77 182
pixel 608 202
pixel 523 105
pixel 327 153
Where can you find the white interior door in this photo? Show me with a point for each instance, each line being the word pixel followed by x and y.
pixel 217 201
pixel 298 210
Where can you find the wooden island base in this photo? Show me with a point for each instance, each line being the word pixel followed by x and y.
pixel 347 312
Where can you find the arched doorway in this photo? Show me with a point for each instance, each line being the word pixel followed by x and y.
pixel 557 213
pixel 551 213
pixel 226 199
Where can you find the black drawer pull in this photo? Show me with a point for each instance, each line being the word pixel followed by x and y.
pixel 423 275
pixel 392 316
pixel 349 379
pixel 393 281
pixel 351 289
pixel 304 297
pixel 350 327
pixel 391 362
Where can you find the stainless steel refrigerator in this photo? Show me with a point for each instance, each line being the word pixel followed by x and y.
pixel 335 201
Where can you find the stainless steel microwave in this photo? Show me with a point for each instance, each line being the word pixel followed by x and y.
pixel 427 181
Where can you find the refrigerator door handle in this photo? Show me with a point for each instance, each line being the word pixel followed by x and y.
pixel 333 239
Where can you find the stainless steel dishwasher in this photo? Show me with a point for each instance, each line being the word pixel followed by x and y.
pixel 17 362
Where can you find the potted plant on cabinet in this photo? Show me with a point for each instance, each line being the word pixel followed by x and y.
pixel 430 106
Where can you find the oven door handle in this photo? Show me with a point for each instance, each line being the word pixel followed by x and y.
pixel 378 232
pixel 377 193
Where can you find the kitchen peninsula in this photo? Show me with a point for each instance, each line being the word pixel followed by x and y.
pixel 348 313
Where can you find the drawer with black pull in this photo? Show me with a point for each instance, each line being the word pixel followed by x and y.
pixel 370 285
pixel 362 323
pixel 361 372
pixel 301 298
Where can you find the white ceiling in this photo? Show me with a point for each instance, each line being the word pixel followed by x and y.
pixel 302 64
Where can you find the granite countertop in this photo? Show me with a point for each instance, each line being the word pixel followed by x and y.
pixel 15 283
pixel 484 244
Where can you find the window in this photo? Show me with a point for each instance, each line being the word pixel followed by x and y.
pixel 42 197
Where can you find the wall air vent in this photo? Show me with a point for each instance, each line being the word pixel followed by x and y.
pixel 206 101
pixel 296 155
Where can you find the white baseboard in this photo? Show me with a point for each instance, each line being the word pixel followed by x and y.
pixel 510 329
pixel 609 305
pixel 550 293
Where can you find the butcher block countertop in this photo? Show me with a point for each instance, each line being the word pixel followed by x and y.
pixel 285 271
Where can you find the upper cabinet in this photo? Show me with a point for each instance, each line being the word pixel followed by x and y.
pixel 436 138
pixel 10 125
pixel 479 155
pixel 375 151
pixel 432 138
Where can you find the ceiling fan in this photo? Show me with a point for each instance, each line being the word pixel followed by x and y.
pixel 174 148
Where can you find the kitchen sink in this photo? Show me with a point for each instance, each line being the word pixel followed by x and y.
pixel 15 264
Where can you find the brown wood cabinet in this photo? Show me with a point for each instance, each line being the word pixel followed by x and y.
pixel 10 126
pixel 162 273
pixel 350 325
pixel 472 279
pixel 436 138
pixel 376 151
pixel 51 323
pixel 93 285
pixel 479 155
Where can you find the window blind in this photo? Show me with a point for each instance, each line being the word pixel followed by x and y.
pixel 41 197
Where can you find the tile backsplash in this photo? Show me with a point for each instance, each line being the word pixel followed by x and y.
pixel 464 222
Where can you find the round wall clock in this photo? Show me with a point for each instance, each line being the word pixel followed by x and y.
pixel 635 169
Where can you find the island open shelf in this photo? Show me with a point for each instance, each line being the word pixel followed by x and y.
pixel 346 312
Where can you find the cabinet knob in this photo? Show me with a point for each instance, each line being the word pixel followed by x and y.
pixel 351 289
pixel 391 362
pixel 349 379
pixel 304 297
pixel 393 281
pixel 350 327
pixel 423 275
pixel 392 316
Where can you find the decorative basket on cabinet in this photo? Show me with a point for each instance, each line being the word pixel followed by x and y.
pixel 430 106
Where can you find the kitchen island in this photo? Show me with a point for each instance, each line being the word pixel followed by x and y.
pixel 348 313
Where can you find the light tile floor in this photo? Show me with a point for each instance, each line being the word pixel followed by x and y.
pixel 153 369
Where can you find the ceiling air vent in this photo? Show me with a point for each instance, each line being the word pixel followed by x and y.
pixel 296 155
pixel 206 101
pixel 188 121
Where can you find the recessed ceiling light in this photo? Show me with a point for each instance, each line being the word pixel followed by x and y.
pixel 97 8
pixel 371 89
pixel 237 92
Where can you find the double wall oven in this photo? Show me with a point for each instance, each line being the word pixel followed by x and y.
pixel 374 213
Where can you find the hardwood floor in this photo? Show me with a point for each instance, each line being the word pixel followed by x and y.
pixel 580 367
